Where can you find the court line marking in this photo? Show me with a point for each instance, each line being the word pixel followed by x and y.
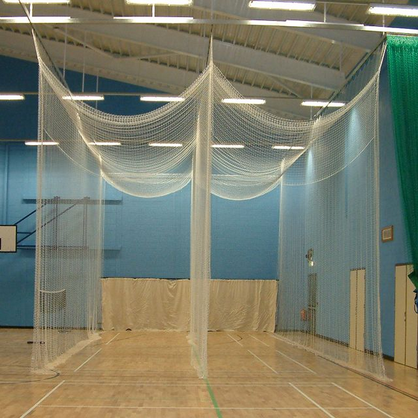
pixel 232 338
pixel 107 383
pixel 112 338
pixel 360 399
pixel 41 400
pixel 211 408
pixel 258 358
pixel 285 355
pixel 295 361
pixel 255 338
pixel 310 399
pixel 79 367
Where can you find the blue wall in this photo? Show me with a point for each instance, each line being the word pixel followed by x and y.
pixel 150 237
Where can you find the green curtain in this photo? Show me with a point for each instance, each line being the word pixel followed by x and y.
pixel 403 76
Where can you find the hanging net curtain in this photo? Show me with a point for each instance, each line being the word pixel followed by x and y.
pixel 195 132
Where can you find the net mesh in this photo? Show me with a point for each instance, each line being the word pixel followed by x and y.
pixel 69 235
pixel 330 163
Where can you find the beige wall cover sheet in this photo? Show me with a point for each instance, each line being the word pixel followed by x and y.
pixel 160 304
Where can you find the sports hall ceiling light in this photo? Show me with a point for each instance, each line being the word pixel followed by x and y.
pixel 305 6
pixel 287 147
pixel 36 19
pixel 37 144
pixel 37 1
pixel 105 143
pixel 244 101
pixel 157 19
pixel 161 99
pixel 165 144
pixel 393 10
pixel 7 96
pixel 321 103
pixel 161 2
pixel 227 146
pixel 84 97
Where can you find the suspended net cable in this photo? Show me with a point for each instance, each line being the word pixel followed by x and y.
pixel 235 151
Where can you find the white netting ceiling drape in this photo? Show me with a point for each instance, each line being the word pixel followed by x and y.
pixel 195 132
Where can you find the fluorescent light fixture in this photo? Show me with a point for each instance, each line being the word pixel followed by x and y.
pixel 37 1
pixel 165 144
pixel 161 99
pixel 305 6
pixel 7 96
pixel 35 19
pixel 157 19
pixel 105 143
pixel 287 147
pixel 244 101
pixel 321 103
pixel 393 10
pixel 227 146
pixel 39 143
pixel 84 97
pixel 161 2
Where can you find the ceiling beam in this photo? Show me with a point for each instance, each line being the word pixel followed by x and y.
pixel 159 77
pixel 239 9
pixel 197 46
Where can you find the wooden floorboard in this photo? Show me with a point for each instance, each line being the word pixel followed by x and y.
pixel 148 374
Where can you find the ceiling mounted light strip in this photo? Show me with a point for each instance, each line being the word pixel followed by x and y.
pixel 152 19
pixel 36 1
pixel 321 103
pixel 165 144
pixel 236 146
pixel 393 10
pixel 244 101
pixel 161 99
pixel 7 96
pixel 287 147
pixel 84 97
pixel 105 143
pixel 37 144
pixel 303 6
pixel 36 19
pixel 161 2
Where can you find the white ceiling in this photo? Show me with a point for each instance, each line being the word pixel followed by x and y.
pixel 280 64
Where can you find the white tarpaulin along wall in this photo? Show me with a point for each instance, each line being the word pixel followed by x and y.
pixel 194 133
pixel 161 304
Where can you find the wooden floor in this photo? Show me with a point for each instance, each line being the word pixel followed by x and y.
pixel 148 374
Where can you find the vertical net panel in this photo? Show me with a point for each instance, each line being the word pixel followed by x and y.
pixel 403 73
pixel 200 242
pixel 69 237
pixel 329 239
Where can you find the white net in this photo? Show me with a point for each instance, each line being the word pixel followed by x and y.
pixel 235 151
pixel 329 239
pixel 69 235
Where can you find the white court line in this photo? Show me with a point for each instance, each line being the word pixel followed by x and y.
pixel 37 403
pixel 262 342
pixel 310 399
pixel 258 358
pixel 294 361
pixel 362 400
pixel 106 383
pixel 178 407
pixel 232 338
pixel 79 367
pixel 112 338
